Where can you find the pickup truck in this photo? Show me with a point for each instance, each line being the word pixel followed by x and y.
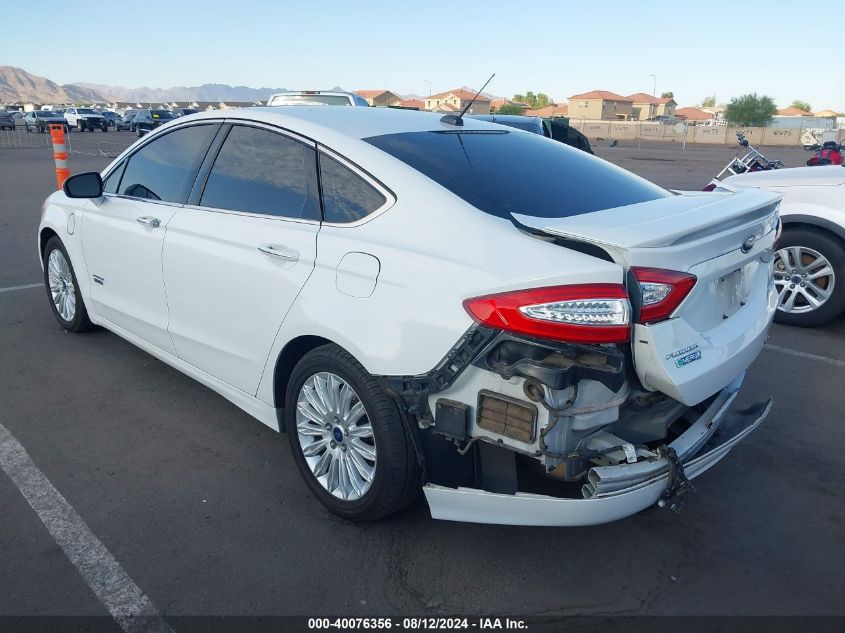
pixel 85 119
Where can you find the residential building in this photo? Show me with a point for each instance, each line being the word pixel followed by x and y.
pixel 600 104
pixel 412 103
pixel 825 113
pixel 549 112
pixel 380 98
pixel 647 107
pixel 453 101
pixel 792 111
pixel 693 115
pixel 498 104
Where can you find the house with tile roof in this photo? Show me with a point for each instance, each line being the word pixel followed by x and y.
pixel 792 111
pixel 549 112
pixel 414 104
pixel 600 104
pixel 453 101
pixel 379 98
pixel 693 114
pixel 647 107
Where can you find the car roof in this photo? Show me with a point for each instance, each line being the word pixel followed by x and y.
pixel 324 122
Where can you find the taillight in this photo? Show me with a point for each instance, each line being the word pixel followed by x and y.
pixel 778 232
pixel 710 187
pixel 588 313
pixel 662 292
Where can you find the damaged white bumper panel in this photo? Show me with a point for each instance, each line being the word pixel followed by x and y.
pixel 611 492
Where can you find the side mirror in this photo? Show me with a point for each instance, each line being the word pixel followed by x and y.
pixel 87 185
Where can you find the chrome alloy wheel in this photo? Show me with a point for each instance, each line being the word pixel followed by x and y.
pixel 336 436
pixel 61 285
pixel 804 279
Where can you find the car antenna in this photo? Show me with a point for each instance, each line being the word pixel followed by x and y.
pixel 458 119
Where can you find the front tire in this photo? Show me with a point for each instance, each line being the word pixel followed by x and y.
pixel 347 437
pixel 809 270
pixel 63 288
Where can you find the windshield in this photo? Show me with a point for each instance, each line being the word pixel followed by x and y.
pixel 502 173
pixel 162 114
pixel 85 111
pixel 310 100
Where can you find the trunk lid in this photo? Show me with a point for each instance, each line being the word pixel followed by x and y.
pixel 726 241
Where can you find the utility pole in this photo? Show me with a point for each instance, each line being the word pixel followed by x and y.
pixel 651 109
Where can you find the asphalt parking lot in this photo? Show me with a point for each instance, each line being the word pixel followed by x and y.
pixel 203 508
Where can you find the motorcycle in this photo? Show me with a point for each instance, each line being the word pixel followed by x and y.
pixel 828 153
pixel 751 160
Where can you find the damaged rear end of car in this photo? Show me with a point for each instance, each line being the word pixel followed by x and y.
pixel 586 402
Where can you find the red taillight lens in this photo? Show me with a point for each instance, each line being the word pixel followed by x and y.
pixel 778 232
pixel 710 187
pixel 662 292
pixel 589 313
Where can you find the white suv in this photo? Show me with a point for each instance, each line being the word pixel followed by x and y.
pixel 522 330
pixel 317 98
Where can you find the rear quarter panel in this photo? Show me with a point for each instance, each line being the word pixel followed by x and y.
pixel 434 251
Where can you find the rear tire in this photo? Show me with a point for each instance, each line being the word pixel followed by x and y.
pixel 809 252
pixel 345 442
pixel 63 288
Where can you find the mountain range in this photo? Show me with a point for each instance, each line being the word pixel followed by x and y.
pixel 17 85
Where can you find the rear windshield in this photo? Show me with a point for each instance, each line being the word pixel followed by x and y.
pixel 162 114
pixel 502 173
pixel 311 100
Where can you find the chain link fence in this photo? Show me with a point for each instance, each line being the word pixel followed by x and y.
pixel 106 145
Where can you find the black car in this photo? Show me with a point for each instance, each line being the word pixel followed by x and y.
pixel 184 111
pixel 7 122
pixel 146 120
pixel 551 128
pixel 40 120
pixel 111 118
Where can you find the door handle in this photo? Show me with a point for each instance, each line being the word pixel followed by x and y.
pixel 149 221
pixel 282 252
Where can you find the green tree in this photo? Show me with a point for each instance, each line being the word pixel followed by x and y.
pixel 510 108
pixel 709 102
pixel 540 100
pixel 801 105
pixel 668 94
pixel 750 110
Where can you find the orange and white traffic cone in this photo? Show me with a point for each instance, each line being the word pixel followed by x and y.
pixel 57 133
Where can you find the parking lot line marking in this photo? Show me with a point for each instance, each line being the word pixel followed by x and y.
pixel 807 355
pixel 24 287
pixel 124 600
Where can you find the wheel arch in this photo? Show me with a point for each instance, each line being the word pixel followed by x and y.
pixel 44 236
pixel 799 220
pixel 291 354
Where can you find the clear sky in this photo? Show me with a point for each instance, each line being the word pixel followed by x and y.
pixel 785 50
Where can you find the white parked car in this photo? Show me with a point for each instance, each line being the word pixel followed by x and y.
pixel 526 332
pixel 810 261
pixel 86 119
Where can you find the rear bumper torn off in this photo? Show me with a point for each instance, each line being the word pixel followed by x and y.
pixel 610 492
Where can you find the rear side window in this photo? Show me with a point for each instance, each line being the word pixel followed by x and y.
pixel 165 168
pixel 259 171
pixel 346 196
pixel 502 173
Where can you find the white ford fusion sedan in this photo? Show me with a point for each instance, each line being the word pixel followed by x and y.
pixel 523 331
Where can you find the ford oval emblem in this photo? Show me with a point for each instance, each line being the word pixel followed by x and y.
pixel 748 244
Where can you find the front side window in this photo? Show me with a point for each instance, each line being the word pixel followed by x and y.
pixel 346 196
pixel 112 181
pixel 504 173
pixel 259 171
pixel 165 168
